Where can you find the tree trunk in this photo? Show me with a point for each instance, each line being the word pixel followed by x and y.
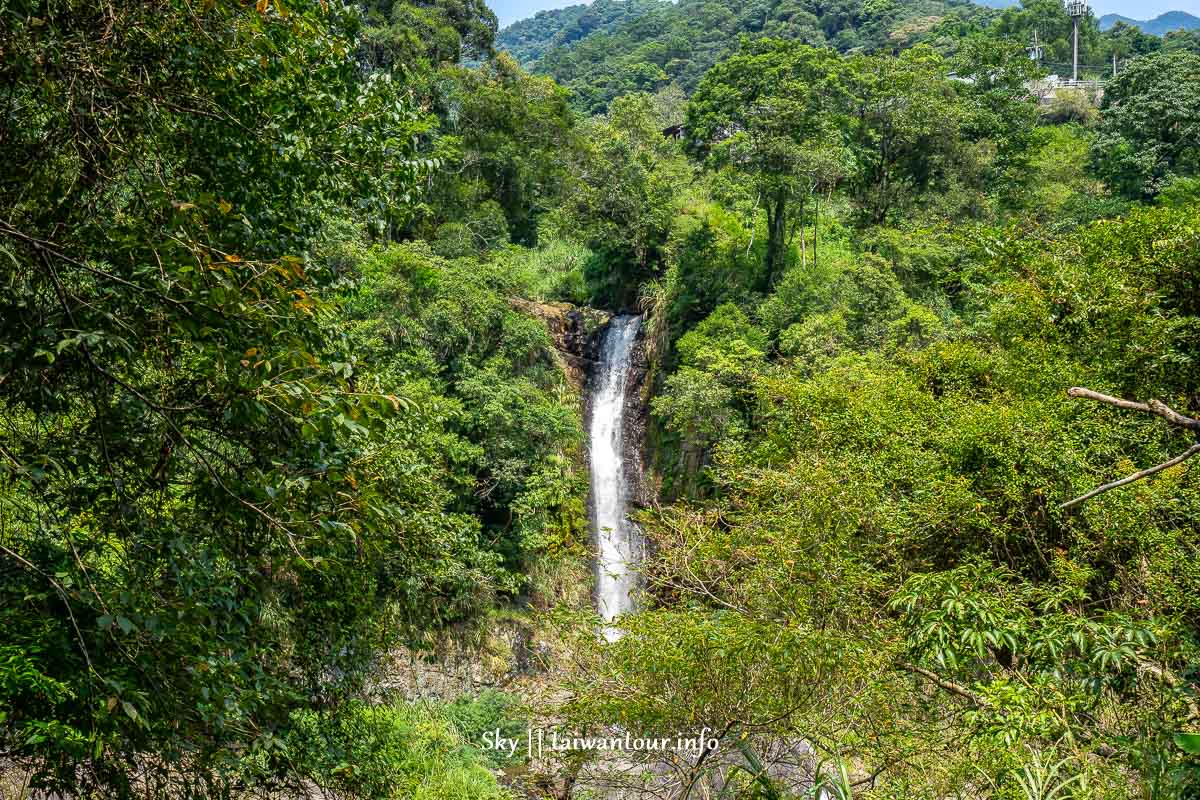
pixel 816 224
pixel 803 240
pixel 776 237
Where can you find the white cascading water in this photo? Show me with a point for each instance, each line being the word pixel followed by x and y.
pixel 619 542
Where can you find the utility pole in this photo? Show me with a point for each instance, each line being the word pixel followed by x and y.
pixel 1035 49
pixel 1114 65
pixel 1076 10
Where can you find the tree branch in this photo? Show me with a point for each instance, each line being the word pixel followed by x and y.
pixel 1153 407
pixel 1156 407
pixel 1137 476
pixel 1175 682
pixel 949 686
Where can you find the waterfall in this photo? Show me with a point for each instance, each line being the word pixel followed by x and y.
pixel 618 541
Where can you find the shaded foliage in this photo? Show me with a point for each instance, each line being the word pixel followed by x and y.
pixel 882 522
pixel 1148 133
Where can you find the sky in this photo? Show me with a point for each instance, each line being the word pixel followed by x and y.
pixel 1143 9
pixel 509 11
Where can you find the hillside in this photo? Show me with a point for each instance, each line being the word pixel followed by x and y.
pixel 612 48
pixel 374 425
pixel 529 39
pixel 1159 26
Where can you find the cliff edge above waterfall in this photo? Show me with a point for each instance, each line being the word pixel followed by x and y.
pixel 576 332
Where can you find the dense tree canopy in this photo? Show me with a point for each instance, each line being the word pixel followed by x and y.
pixel 1149 133
pixel 508 137
pixel 884 570
pixel 778 114
pixel 215 507
pixel 293 374
pixel 630 180
pixel 189 494
pixel 412 36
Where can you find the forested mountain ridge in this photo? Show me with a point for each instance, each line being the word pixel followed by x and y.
pixel 529 39
pixel 647 45
pixel 1159 26
pixel 612 48
pixel 283 430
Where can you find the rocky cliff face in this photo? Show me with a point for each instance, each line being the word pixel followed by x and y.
pixel 637 415
pixel 509 650
pixel 577 333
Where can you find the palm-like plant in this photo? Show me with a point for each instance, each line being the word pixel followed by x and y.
pixel 1041 780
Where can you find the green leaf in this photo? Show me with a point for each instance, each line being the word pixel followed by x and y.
pixel 1188 742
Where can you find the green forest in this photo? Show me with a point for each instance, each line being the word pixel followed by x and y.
pixel 299 300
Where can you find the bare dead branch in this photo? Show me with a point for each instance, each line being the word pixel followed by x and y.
pixel 1137 476
pixel 950 686
pixel 1156 407
pixel 1152 407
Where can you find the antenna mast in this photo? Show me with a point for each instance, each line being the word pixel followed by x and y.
pixel 1076 10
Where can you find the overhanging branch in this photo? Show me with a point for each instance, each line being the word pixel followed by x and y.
pixel 1155 407
pixel 1137 476
pixel 942 683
